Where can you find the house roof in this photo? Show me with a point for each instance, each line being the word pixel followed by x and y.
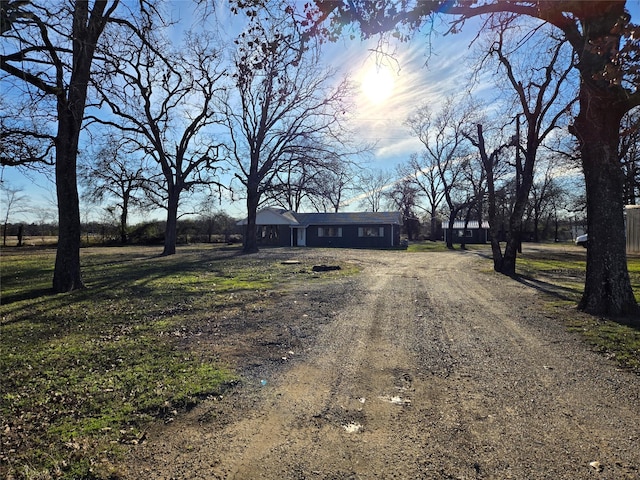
pixel 473 224
pixel 348 218
pixel 273 216
pixel 281 216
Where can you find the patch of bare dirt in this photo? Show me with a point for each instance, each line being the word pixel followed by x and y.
pixel 425 366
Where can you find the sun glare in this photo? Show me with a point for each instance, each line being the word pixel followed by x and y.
pixel 377 84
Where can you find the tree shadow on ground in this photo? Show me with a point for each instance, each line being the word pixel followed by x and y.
pixel 34 294
pixel 558 291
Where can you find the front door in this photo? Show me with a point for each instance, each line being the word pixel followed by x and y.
pixel 302 237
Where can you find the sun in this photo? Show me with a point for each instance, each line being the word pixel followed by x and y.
pixel 377 84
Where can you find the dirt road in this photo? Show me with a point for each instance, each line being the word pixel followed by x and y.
pixel 426 366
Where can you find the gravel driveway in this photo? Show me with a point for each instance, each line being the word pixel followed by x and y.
pixel 424 366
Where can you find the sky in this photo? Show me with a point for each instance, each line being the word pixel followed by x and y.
pixel 388 92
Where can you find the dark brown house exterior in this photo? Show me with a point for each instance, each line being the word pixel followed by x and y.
pixel 285 228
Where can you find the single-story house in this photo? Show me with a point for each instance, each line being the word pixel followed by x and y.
pixel 286 228
pixel 474 233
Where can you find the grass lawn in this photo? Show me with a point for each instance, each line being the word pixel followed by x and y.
pixel 560 269
pixel 427 246
pixel 83 373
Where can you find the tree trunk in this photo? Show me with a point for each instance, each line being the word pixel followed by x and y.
pixel 123 220
pixel 607 288
pixel 250 244
pixel 450 236
pixel 66 275
pixel 467 219
pixel 433 226
pixel 536 225
pixel 514 240
pixel 488 163
pixel 603 103
pixel 508 263
pixel 87 28
pixel 171 229
pixel 496 250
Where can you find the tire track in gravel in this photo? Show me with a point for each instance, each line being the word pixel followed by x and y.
pixel 531 401
pixel 329 416
pixel 434 369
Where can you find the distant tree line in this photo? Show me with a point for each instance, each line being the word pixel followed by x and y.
pixel 219 228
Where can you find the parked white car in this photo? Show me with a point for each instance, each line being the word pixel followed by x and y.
pixel 582 240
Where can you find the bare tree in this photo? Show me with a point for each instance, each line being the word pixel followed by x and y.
pixel 12 202
pixel 475 179
pixel 49 54
pixel 372 186
pixel 447 149
pixel 215 221
pixel 283 110
pixel 423 172
pixel 320 184
pixel 162 100
pixel 291 186
pixel 540 95
pixel 329 187
pixel 118 175
pixel 404 197
pixel 490 166
pixel 629 152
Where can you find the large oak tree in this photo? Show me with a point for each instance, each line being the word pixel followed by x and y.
pixel 162 99
pixel 48 54
pixel 542 94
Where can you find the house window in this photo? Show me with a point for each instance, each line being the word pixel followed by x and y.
pixel 329 231
pixel 268 232
pixel 465 233
pixel 370 231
